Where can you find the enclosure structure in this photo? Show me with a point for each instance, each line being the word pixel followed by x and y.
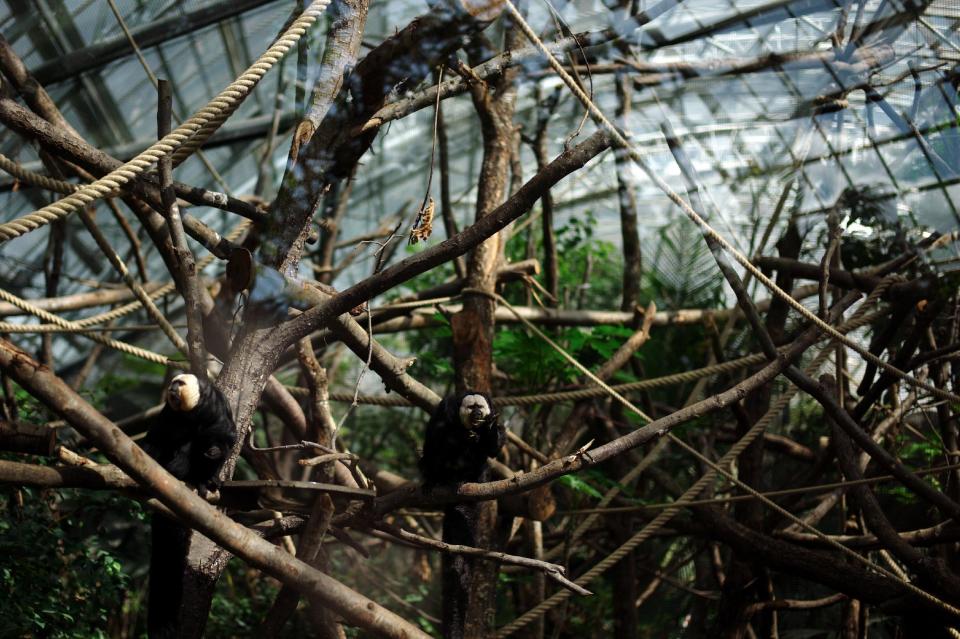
pixel 701 254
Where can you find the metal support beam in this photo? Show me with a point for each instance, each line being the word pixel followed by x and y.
pixel 148 35
pixel 241 131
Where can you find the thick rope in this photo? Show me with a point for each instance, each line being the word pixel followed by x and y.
pixel 595 392
pixel 730 498
pixel 225 102
pixel 43 181
pixel 708 230
pixel 831 542
pixel 573 361
pixel 106 341
pixel 117 313
pixel 153 80
pixel 135 287
pixel 40 329
pixel 855 321
pixel 126 309
pixel 59 324
pixel 93 320
pixel 563 396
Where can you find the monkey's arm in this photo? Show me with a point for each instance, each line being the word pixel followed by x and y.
pixel 493 437
pixel 435 446
pixel 217 440
pixel 209 452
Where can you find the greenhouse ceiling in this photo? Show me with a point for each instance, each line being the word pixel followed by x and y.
pixel 761 95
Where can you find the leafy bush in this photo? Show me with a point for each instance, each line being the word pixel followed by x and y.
pixel 58 577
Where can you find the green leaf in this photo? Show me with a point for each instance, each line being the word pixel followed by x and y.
pixel 578 485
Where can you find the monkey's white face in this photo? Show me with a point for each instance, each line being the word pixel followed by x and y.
pixel 474 410
pixel 183 393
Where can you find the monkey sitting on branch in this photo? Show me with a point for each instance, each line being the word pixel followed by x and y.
pixel 191 438
pixel 462 433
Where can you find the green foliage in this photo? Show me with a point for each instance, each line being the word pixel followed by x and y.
pixel 577 484
pixel 924 451
pixel 112 384
pixel 141 368
pixel 241 600
pixel 529 358
pixel 904 495
pixel 915 453
pixel 682 272
pixel 588 268
pixel 417 597
pixel 599 478
pixel 392 436
pixel 434 355
pixel 602 341
pixel 433 348
pixel 59 576
pixel 73 562
pixel 31 410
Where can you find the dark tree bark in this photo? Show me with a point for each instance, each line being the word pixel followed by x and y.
pixel 627 197
pixel 473 329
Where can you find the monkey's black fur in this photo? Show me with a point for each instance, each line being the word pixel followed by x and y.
pixel 192 445
pixel 454 454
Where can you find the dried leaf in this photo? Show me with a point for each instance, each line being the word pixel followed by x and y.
pixel 423 227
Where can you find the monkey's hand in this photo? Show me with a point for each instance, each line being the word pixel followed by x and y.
pixel 210 490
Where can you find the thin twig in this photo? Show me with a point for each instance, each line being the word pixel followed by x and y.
pixel 554 571
pixel 298 446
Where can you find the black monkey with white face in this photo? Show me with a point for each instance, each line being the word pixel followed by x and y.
pixel 191 438
pixel 462 433
pixel 194 432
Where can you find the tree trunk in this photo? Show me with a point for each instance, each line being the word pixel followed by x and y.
pixel 473 348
